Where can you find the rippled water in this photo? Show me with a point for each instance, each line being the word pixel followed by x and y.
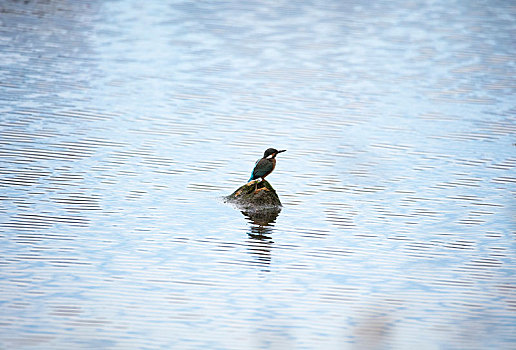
pixel 123 123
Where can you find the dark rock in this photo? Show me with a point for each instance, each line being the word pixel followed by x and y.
pixel 246 197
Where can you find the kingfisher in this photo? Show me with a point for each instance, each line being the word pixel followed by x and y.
pixel 265 165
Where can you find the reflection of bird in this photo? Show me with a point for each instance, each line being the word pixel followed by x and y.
pixel 265 165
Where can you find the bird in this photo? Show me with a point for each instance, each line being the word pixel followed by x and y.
pixel 265 165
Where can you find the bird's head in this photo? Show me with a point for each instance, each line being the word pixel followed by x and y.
pixel 272 152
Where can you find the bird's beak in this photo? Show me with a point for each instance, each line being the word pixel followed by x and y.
pixel 283 150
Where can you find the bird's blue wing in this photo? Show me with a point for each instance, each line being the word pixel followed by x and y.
pixel 262 168
pixel 252 172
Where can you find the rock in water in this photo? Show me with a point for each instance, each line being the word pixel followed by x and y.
pixel 246 197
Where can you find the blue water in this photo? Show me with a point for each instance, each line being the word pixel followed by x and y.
pixel 124 123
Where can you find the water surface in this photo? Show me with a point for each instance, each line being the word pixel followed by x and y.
pixel 123 123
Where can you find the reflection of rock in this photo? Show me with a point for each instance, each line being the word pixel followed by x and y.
pixel 261 208
pixel 260 240
pixel 247 198
pixel 263 218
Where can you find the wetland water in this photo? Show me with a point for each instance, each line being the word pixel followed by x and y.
pixel 123 123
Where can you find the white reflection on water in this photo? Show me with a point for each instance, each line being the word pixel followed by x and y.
pixel 123 123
